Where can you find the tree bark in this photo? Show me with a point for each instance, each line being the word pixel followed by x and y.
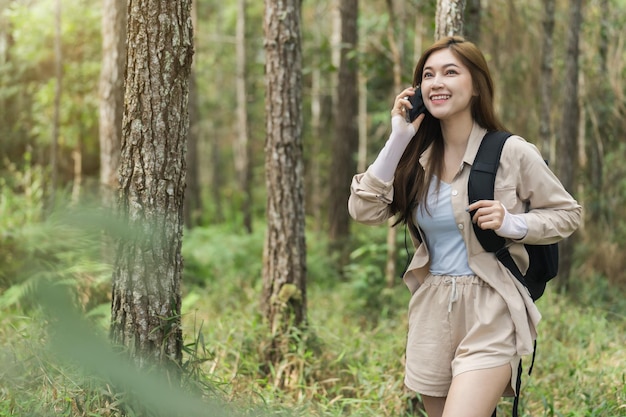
pixel 346 137
pixel 111 95
pixel 568 140
pixel 146 297
pixel 545 129
pixel 284 256
pixel 242 147
pixel 449 18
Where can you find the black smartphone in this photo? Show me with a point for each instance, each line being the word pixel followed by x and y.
pixel 417 102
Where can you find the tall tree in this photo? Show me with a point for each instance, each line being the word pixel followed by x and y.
pixel 346 138
pixel 449 18
pixel 284 255
pixel 146 295
pixel 5 41
pixel 602 118
pixel 315 195
pixel 568 138
pixel 545 129
pixel 242 147
pixel 216 166
pixel 111 95
pixel 58 88
pixel 473 12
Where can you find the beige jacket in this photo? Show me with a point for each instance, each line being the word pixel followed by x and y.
pixel 523 179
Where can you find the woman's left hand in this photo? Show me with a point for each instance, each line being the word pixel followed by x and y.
pixel 399 124
pixel 489 214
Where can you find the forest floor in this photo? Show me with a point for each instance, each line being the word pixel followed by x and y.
pixel 348 362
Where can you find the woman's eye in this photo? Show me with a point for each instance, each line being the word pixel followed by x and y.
pixel 451 72
pixel 427 75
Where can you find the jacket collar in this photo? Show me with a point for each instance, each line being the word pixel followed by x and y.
pixel 473 143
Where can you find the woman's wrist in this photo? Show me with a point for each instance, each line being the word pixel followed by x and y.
pixel 513 226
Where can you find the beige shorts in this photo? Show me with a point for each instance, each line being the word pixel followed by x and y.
pixel 456 324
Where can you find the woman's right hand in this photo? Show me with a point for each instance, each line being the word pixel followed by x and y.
pixel 399 124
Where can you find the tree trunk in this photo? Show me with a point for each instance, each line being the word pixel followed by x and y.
pixel 58 88
pixel 323 91
pixel 419 33
pixel 216 168
pixel 146 296
pixel 362 121
pixel 449 18
pixel 545 129
pixel 604 130
pixel 473 14
pixel 111 95
pixel 603 47
pixel 315 199
pixel 77 157
pixel 284 255
pixel 568 140
pixel 346 137
pixel 217 179
pixel 242 147
pixel 7 115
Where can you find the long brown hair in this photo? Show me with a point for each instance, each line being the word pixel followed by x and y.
pixel 411 180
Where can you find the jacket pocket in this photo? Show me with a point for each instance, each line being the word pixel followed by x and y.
pixel 508 197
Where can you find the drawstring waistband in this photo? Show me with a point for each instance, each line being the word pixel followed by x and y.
pixel 454 296
pixel 455 284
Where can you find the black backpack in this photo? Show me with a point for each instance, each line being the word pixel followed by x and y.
pixel 544 259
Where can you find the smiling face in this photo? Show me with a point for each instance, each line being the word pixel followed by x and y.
pixel 447 86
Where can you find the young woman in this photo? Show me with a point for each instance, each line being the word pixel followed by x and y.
pixel 470 320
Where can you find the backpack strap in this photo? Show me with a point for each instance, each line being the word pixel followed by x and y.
pixel 482 180
pixel 480 186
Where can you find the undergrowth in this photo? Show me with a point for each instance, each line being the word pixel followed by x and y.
pixel 348 361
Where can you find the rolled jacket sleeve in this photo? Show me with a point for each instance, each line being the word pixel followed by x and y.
pixel 370 198
pixel 552 213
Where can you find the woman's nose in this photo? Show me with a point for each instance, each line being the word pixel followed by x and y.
pixel 437 82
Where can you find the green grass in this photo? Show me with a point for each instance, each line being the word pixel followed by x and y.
pixel 349 362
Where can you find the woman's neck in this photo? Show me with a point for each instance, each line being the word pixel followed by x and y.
pixel 456 134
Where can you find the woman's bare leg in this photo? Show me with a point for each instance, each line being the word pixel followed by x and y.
pixel 434 405
pixel 476 393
